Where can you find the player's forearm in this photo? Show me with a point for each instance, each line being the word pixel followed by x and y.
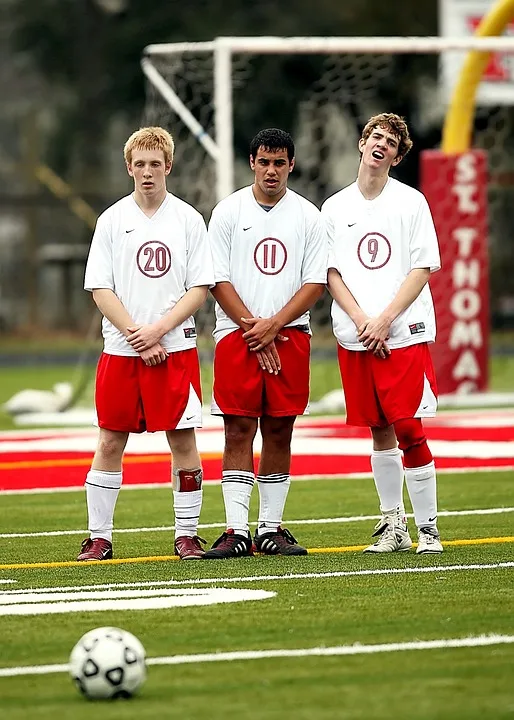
pixel 408 292
pixel 344 298
pixel 188 304
pixel 113 309
pixel 230 302
pixel 301 301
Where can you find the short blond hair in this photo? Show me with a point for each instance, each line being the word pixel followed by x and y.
pixel 150 138
pixel 395 124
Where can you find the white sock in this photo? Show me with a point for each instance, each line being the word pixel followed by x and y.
pixel 387 469
pixel 102 490
pixel 187 500
pixel 237 486
pixel 421 484
pixel 273 491
pixel 187 506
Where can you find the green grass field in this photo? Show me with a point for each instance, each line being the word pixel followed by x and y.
pixel 312 607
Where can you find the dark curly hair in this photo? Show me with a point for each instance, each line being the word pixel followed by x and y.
pixel 272 139
pixel 395 124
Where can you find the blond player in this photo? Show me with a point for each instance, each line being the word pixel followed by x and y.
pixel 383 248
pixel 270 250
pixel 149 270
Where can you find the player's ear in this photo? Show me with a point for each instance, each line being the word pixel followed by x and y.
pixel 252 162
pixel 167 168
pixel 362 142
pixel 291 164
pixel 397 160
pixel 129 169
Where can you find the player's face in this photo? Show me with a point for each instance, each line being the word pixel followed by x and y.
pixel 149 170
pixel 380 150
pixel 271 173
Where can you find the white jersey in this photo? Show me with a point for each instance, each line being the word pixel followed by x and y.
pixel 374 244
pixel 149 263
pixel 267 255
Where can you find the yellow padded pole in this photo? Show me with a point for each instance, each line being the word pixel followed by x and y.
pixel 458 122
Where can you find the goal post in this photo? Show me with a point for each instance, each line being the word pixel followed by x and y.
pixel 323 89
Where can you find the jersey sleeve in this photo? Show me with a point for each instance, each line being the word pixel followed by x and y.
pixel 199 271
pixel 220 241
pixel 99 270
pixel 315 260
pixel 424 248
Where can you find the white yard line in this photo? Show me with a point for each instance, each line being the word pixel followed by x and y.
pixel 264 578
pixel 209 526
pixel 295 478
pixel 357 649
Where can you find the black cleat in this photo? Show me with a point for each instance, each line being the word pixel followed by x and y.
pixel 230 545
pixel 278 542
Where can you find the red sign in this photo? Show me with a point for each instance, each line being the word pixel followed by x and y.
pixel 498 68
pixel 456 189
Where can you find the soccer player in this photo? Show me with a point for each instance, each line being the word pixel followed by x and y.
pixel 149 270
pixel 382 249
pixel 270 251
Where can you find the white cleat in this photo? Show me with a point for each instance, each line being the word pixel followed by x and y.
pixel 428 542
pixel 391 537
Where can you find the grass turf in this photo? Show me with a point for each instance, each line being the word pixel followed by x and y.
pixel 305 612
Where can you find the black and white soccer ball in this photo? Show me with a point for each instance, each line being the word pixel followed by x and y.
pixel 108 663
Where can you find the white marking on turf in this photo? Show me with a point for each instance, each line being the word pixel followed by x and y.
pixel 296 478
pixel 263 578
pixel 357 649
pixel 208 526
pixel 6 582
pixel 53 603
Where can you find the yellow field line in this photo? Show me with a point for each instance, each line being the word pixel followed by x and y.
pixel 86 461
pixel 173 558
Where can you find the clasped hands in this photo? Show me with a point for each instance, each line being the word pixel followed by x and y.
pixel 373 333
pixel 145 339
pixel 260 338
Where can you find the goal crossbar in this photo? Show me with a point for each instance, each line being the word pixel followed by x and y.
pixel 327 45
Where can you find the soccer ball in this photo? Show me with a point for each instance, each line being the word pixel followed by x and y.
pixel 108 663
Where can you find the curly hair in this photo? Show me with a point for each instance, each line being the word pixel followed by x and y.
pixel 395 124
pixel 150 138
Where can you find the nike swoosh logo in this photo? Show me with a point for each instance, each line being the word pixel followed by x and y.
pixel 127 231
pixel 352 224
pixel 248 228
pixel 424 407
pixel 190 417
pixel 432 519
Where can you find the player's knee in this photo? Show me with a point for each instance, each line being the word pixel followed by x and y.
pixel 277 430
pixel 239 431
pixel 413 442
pixel 409 432
pixel 182 442
pixel 110 448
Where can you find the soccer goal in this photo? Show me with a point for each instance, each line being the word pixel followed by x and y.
pixel 215 96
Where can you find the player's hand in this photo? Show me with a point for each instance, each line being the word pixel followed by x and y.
pixel 373 333
pixel 382 351
pixel 154 355
pixel 143 337
pixel 269 359
pixel 261 333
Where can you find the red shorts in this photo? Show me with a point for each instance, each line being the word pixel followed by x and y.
pixel 133 397
pixel 241 387
pixel 380 391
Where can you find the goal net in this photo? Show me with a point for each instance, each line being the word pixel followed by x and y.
pixel 215 96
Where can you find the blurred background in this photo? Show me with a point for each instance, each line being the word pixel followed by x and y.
pixel 73 89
